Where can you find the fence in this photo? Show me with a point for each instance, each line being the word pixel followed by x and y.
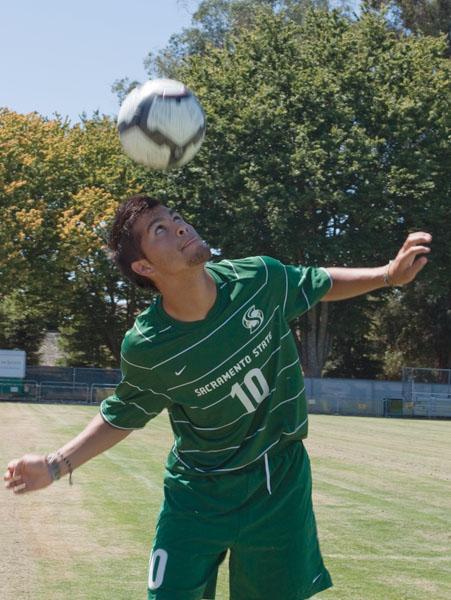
pixel 347 406
pixel 362 397
pixel 62 384
pixel 378 398
pixel 431 406
pixel 74 375
pixel 53 392
pixel 426 392
pixel 326 396
pixel 350 396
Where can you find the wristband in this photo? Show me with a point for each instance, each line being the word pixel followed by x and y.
pixel 53 465
pixel 387 281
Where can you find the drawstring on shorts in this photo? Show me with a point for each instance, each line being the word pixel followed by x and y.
pixel 268 475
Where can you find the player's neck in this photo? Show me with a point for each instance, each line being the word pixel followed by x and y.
pixel 189 298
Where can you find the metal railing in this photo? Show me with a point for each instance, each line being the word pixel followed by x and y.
pixel 325 396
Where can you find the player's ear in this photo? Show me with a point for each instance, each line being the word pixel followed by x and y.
pixel 143 267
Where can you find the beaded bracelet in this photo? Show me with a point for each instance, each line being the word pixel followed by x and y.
pixel 68 464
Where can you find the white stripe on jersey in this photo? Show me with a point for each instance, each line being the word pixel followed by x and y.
pixel 174 451
pixel 260 367
pixel 254 434
pixel 209 451
pixel 247 413
pixel 295 362
pixel 165 329
pixel 144 410
pixel 252 339
pixel 217 328
pixel 133 364
pixel 306 299
pixel 142 334
pixel 233 267
pixel 146 390
pixel 287 400
pixel 112 424
pixel 155 335
pixel 297 428
pixel 134 403
pixel 286 289
pixel 329 275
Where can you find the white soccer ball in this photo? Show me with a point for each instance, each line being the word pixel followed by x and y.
pixel 161 124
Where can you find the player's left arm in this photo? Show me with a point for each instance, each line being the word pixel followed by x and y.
pixel 348 283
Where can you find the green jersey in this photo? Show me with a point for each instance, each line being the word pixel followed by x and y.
pixel 231 383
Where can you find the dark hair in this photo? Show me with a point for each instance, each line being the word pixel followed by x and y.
pixel 124 243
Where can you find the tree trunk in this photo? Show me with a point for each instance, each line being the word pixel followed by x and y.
pixel 443 339
pixel 314 339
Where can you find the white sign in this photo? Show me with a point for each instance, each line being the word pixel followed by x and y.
pixel 12 364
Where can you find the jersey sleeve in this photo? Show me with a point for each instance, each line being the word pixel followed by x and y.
pixel 133 403
pixel 300 287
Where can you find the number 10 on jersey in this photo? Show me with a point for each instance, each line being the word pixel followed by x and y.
pixel 253 390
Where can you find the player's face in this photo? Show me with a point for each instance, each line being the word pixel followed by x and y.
pixel 169 244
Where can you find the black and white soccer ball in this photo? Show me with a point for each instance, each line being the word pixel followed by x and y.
pixel 161 124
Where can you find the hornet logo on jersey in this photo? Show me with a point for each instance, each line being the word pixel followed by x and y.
pixel 253 318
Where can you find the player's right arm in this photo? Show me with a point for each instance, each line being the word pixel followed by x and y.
pixel 131 406
pixel 31 472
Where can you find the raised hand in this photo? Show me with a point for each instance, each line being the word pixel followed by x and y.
pixel 406 266
pixel 27 474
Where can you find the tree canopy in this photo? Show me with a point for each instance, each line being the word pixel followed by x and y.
pixel 326 144
pixel 427 17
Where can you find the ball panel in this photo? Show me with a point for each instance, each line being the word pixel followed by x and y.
pixel 178 120
pixel 129 108
pixel 140 148
pixel 189 153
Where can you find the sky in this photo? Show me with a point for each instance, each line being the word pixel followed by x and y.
pixel 59 56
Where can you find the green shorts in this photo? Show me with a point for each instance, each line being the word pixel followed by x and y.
pixel 263 515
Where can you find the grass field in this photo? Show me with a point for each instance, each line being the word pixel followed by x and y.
pixel 382 491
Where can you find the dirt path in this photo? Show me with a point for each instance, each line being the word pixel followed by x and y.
pixel 39 525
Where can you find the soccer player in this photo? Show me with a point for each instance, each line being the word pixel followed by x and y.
pixel 216 351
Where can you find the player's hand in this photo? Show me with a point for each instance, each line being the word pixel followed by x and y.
pixel 27 474
pixel 406 266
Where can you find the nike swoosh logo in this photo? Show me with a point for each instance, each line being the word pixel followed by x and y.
pixel 181 370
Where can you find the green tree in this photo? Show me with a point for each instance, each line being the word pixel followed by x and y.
pixel 59 186
pixel 21 325
pixel 36 179
pixel 426 17
pixel 325 145
pixel 98 306
pixel 413 329
pixel 211 24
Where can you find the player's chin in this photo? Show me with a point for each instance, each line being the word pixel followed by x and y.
pixel 200 253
